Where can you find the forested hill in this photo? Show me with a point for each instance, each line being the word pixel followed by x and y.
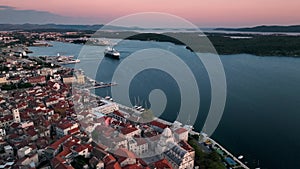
pixel 293 29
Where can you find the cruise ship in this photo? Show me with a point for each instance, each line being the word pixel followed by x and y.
pixel 111 52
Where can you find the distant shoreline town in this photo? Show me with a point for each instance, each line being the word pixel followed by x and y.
pixel 260 40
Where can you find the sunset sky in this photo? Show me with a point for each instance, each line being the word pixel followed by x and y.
pixel 204 13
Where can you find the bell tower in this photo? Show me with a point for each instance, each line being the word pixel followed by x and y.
pixel 16 115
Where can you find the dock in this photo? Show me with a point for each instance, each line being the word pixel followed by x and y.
pixel 102 85
pixel 95 84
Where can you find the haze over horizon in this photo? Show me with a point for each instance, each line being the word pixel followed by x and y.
pixel 210 14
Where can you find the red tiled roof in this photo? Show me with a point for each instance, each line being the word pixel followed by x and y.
pixel 64 125
pixel 162 164
pixel 6 118
pixel 108 159
pixel 47 123
pixel 51 100
pixel 69 143
pixel 65 152
pixel 79 148
pixel 57 163
pixel 31 133
pixel 15 125
pixel 115 165
pixel 158 124
pixel 141 141
pixel 123 152
pixel 133 166
pixel 102 146
pixel 127 130
pixel 180 130
pixel 142 162
pixel 37 79
pixel 185 145
pixel 56 144
pixel 74 131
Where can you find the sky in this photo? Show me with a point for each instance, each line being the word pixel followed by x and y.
pixel 203 13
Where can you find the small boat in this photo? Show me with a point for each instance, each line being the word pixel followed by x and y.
pixel 240 157
pixel 111 52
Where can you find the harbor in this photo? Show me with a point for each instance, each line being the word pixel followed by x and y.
pixel 93 84
pixel 248 156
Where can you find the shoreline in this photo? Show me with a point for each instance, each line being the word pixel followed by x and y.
pixel 167 122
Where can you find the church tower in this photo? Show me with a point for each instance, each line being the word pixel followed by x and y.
pixel 16 115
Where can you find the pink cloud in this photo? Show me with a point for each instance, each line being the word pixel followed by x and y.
pixel 203 13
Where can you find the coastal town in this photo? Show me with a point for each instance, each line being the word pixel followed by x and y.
pixel 50 119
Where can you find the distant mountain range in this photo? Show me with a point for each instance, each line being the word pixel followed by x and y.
pixel 60 27
pixel 292 29
pixel 64 28
pixel 11 27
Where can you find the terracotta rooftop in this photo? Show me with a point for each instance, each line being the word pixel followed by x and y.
pixel 162 164
pixel 64 125
pixel 185 145
pixel 158 124
pixel 141 141
pixel 127 130
pixel 123 152
pixel 108 159
pixel 133 166
pixel 115 165
pixel 56 144
pixel 180 130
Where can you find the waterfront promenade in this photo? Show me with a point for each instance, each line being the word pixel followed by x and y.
pixel 240 164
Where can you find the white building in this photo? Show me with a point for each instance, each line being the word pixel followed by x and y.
pixel 129 132
pixel 24 151
pixel 106 108
pixel 138 145
pixel 8 152
pixel 181 134
pixel 63 128
pixel 2 132
pixel 178 157
pixel 26 124
pixel 30 160
pixel 16 115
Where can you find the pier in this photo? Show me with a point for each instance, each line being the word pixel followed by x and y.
pixel 95 85
pixel 102 86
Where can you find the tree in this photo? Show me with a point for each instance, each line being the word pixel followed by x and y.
pixel 147 116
